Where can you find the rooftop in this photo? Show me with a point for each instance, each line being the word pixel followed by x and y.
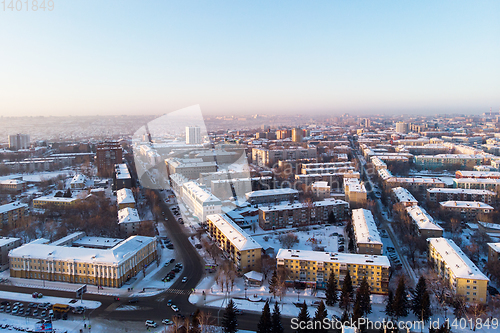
pixel 202 195
pixel 334 257
pixel 125 196
pixel 128 215
pixel 465 204
pixel 263 193
pixel 456 260
pixel 365 228
pixel 7 240
pixel 237 236
pixel 121 171
pixel 403 195
pixel 11 206
pixel 460 190
pixel 423 220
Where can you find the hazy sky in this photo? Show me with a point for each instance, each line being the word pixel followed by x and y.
pixel 129 57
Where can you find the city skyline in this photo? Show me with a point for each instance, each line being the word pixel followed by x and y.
pixel 92 58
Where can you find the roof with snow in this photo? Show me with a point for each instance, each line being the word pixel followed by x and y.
pixel 128 215
pixel 238 237
pixel 465 204
pixel 334 257
pixel 125 196
pixel 365 228
pixel 423 220
pixel 11 206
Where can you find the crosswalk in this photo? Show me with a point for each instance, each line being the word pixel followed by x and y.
pixel 178 291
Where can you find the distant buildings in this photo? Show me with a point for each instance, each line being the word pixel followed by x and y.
pixel 78 182
pixel 193 135
pixel 301 214
pixel 460 194
pixel 275 196
pixel 19 141
pixel 456 161
pixel 312 268
pixel 108 154
pixel 402 127
pixel 12 186
pixel 110 267
pixel 240 247
pixel 462 275
pixel 270 157
pixel 320 190
pixel 478 184
pixel 189 168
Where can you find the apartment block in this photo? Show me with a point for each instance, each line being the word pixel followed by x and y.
pixel 121 177
pixel 125 198
pixel 466 210
pixel 269 157
pixel 355 192
pixel 403 196
pixel 312 268
pixel 200 200
pixel 108 154
pixel 424 225
pixel 461 274
pixel 366 236
pixel 459 161
pixel 460 194
pixel 7 244
pixel 301 214
pixel 275 196
pixel 10 213
pixel 236 244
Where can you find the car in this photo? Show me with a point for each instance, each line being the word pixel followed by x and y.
pixel 170 246
pixel 198 246
pixel 174 308
pixel 167 322
pixel 78 310
pixel 167 263
pixel 172 260
pixel 35 313
pixel 20 312
pixel 73 301
pixel 16 304
pixel 15 310
pixel 2 308
pixel 43 314
pixel 133 300
pixel 184 279
pixel 31 305
pixel 151 323
pixel 5 303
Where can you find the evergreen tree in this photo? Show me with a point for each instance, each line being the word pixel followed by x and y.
pixel 273 284
pixel 389 306
pixel 277 325
pixel 346 294
pixel 401 303
pixel 364 297
pixel 229 320
pixel 303 318
pixel 420 303
pixel 195 322
pixel 320 315
pixel 264 325
pixel 331 290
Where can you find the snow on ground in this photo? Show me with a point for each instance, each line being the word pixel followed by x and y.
pixel 320 236
pixel 53 300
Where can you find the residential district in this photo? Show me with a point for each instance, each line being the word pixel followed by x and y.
pixel 232 224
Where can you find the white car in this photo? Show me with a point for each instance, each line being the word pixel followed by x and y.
pixel 174 308
pixel 184 279
pixel 151 323
pixel 167 322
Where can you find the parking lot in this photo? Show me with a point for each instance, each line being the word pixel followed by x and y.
pixel 38 309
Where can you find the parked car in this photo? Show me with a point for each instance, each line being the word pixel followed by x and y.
pixel 133 300
pixel 167 322
pixel 184 279
pixel 169 303
pixel 174 308
pixel 151 323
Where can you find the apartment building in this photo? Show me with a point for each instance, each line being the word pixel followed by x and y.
pixel 355 192
pixel 414 185
pixel 19 141
pixel 428 149
pixel 493 252
pixel 460 194
pixel 320 190
pixel 477 174
pixel 269 157
pixel 461 274
pixel 275 196
pixel 236 244
pixel 189 168
pixel 108 154
pixel 200 200
pixel 129 221
pixel 466 210
pixel 366 236
pixel 301 214
pixel 60 202
pixel 12 186
pixel 10 213
pixel 462 161
pixel 403 196
pixel 125 198
pixel 110 267
pixel 78 182
pixel 478 184
pixel 312 268
pixel 378 163
pixel 7 244
pixel 424 225
pixel 121 177
pixel 238 187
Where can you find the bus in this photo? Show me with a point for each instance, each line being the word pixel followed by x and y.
pixel 63 308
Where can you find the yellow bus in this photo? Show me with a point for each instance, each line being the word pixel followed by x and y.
pixel 61 308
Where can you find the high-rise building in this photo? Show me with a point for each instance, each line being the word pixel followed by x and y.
pixel 108 154
pixel 19 141
pixel 193 135
pixel 402 127
pixel 297 135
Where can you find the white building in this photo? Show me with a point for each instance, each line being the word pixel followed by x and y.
pixel 19 141
pixel 404 196
pixel 320 190
pixel 193 135
pixel 367 237
pixel 424 223
pixel 125 198
pixel 78 181
pixel 201 202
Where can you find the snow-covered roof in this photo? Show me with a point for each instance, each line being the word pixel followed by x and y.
pixel 11 206
pixel 334 257
pixel 354 185
pixel 465 204
pixel 253 275
pixel 279 191
pixel 456 260
pixel 71 237
pixel 203 196
pixel 237 236
pixel 460 190
pixel 104 242
pixel 494 246
pixel 493 226
pixel 121 171
pixel 478 174
pixel 403 195
pixel 319 184
pixel 422 180
pixel 11 182
pixel 477 180
pixel 115 255
pixel 78 179
pixel 124 196
pixel 52 198
pixel 8 240
pixel 128 215
pixel 365 228
pixel 290 206
pixel 423 220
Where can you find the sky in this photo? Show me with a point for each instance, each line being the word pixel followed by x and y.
pixel 89 57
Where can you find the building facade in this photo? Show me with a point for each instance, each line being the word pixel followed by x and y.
pixel 366 236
